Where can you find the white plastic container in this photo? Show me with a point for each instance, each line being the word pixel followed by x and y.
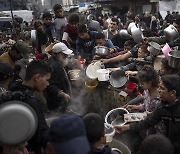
pixel 109 132
pixel 103 74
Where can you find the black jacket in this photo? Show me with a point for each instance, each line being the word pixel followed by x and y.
pixel 103 150
pixel 59 81
pixel 40 137
pixel 170 114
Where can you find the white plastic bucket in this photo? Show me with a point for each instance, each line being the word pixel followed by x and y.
pixel 103 74
pixel 109 132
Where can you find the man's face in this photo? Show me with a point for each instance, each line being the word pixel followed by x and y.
pixel 41 82
pixel 164 93
pixel 100 42
pixel 47 21
pixel 59 13
pixel 113 26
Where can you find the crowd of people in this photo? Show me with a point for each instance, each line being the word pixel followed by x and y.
pixel 34 70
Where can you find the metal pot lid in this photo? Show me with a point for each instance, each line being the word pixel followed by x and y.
pixel 118 78
pixel 18 122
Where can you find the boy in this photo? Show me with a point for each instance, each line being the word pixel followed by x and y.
pixel 37 78
pixel 85 42
pixel 168 111
pixel 96 134
pixel 60 21
pixel 49 26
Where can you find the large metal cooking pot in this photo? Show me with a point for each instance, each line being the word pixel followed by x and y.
pixel 34 37
pixel 101 51
pixel 171 33
pixel 124 34
pixel 118 78
pixel 154 48
pixel 18 122
pixel 174 58
pixel 137 34
pixel 132 24
pixel 116 116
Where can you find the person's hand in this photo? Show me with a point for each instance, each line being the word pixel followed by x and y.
pixel 104 61
pixel 96 57
pixel 63 95
pixel 131 73
pixel 8 149
pixel 111 50
pixel 121 129
pixel 132 107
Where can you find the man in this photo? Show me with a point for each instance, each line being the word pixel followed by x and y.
pixel 59 90
pixel 37 78
pixel 68 136
pixel 17 51
pixel 168 111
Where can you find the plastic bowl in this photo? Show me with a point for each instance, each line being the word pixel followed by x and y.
pixel 91 84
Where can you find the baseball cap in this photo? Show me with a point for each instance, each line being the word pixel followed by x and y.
pixel 68 135
pixel 22 47
pixel 5 71
pixel 61 47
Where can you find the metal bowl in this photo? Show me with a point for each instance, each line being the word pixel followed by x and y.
pixel 171 33
pixel 154 48
pixel 101 51
pixel 18 122
pixel 132 24
pixel 116 116
pixel 174 58
pixel 124 34
pixel 137 34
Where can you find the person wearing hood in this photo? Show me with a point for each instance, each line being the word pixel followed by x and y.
pixel 168 111
pixel 59 90
pixel 96 136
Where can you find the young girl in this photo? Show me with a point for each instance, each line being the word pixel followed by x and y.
pixel 149 82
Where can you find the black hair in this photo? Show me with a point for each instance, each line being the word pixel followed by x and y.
pixel 94 125
pixel 57 7
pixel 130 43
pixel 172 82
pixel 164 62
pixel 74 18
pixel 46 15
pixel 100 36
pixel 148 73
pixel 82 28
pixel 156 144
pixel 37 67
pixel 115 20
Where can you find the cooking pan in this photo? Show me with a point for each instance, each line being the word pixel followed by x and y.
pixel 174 58
pixel 154 48
pixel 171 33
pixel 101 51
pixel 137 34
pixel 118 78
pixel 18 122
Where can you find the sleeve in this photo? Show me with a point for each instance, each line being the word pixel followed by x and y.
pixel 151 120
pixel 160 40
pixel 53 31
pixel 78 47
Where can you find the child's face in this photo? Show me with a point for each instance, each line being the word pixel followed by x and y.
pixel 141 53
pixel 100 42
pixel 74 25
pixel 47 21
pixel 127 48
pixel 83 35
pixel 59 13
pixel 145 85
pixel 39 27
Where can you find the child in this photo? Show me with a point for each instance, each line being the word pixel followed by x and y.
pixel 60 21
pixel 42 38
pixel 85 42
pixel 149 82
pixel 94 125
pixel 49 26
pixel 70 32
